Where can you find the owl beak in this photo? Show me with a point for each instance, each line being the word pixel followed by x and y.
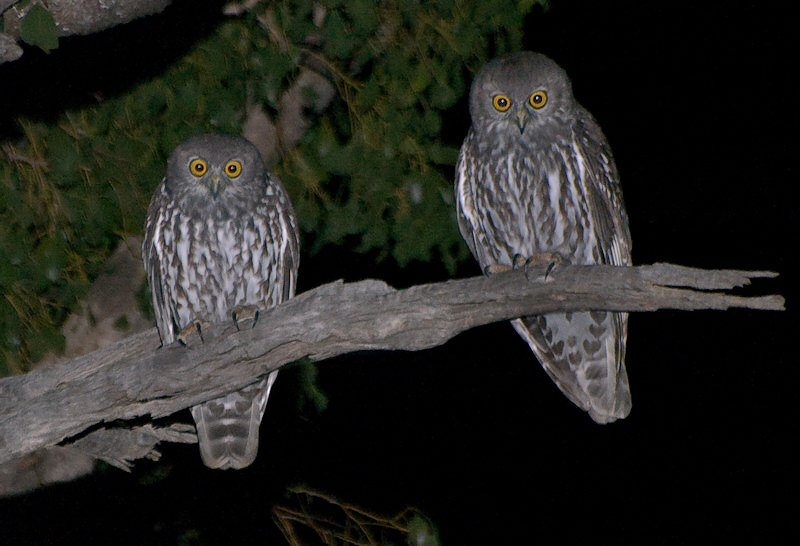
pixel 522 119
pixel 216 184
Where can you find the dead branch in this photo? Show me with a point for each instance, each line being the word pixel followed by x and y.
pixel 73 17
pixel 312 516
pixel 136 378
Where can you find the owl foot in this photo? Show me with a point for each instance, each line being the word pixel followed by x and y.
pixel 245 316
pixel 550 258
pixel 193 332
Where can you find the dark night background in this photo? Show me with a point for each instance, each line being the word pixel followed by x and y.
pixel 699 110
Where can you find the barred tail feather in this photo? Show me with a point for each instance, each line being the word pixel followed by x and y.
pixel 227 427
pixel 584 355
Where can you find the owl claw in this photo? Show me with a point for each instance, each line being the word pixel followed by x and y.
pixel 193 331
pixel 245 313
pixel 549 270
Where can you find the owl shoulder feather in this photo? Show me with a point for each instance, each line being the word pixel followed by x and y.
pixel 604 179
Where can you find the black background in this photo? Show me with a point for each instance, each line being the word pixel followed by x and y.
pixel 700 112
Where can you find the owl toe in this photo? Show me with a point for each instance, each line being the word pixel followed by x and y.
pixel 192 334
pixel 245 316
pixel 494 269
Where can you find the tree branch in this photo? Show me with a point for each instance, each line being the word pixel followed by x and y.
pixel 133 378
pixel 74 17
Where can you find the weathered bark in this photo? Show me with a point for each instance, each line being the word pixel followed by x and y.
pixel 74 17
pixel 135 378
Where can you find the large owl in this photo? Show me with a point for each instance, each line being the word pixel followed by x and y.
pixel 536 182
pixel 220 244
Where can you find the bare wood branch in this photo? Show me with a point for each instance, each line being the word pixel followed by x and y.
pixel 5 4
pixel 133 378
pixel 120 446
pixel 73 17
pixel 85 16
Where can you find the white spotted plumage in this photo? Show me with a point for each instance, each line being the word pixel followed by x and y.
pixel 541 180
pixel 215 243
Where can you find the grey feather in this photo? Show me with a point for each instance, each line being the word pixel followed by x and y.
pixel 214 243
pixel 533 181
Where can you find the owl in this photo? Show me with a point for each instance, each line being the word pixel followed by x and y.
pixel 221 244
pixel 536 183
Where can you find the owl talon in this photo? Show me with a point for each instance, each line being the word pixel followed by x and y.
pixel 244 313
pixel 193 331
pixel 549 270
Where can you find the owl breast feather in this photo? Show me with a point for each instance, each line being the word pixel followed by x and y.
pixel 215 265
pixel 528 204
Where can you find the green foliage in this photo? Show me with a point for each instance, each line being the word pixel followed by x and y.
pixel 39 28
pixel 374 165
pixel 71 189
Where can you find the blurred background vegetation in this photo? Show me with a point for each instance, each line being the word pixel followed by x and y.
pixel 374 167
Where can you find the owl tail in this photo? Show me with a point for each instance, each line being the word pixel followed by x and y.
pixel 227 427
pixel 584 354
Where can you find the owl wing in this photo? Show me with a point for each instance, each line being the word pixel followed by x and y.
pixel 608 211
pixel 605 195
pixel 584 353
pixel 291 252
pixel 155 263
pixel 466 171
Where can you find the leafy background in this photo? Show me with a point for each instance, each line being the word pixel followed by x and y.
pixel 374 169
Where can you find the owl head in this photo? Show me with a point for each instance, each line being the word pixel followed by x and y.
pixel 214 171
pixel 524 96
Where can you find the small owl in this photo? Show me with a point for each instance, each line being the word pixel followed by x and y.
pixel 536 182
pixel 221 243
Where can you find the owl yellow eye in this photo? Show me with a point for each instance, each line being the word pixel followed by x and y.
pixel 233 169
pixel 501 103
pixel 538 99
pixel 198 167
